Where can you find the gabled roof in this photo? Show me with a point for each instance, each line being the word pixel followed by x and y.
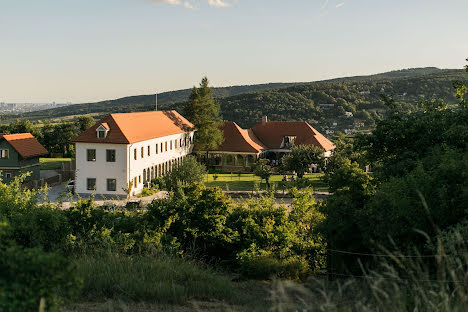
pixel 128 128
pixel 25 144
pixel 238 140
pixel 272 133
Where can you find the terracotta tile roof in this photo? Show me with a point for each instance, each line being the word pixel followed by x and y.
pixel 273 132
pixel 25 144
pixel 238 140
pixel 105 125
pixel 127 128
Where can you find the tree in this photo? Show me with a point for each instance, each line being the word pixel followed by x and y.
pixel 203 111
pixel 263 170
pixel 83 123
pixel 188 172
pixel 302 157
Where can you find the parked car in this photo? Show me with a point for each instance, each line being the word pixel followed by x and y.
pixel 71 186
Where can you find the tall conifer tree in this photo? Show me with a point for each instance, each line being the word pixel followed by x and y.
pixel 203 111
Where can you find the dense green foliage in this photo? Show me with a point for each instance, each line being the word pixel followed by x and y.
pixel 203 111
pixel 188 172
pixel 301 158
pixel 418 185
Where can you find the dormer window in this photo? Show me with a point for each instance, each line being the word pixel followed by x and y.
pixel 102 131
pixel 288 142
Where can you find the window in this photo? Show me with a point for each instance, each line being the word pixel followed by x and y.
pixel 139 179
pixel 110 155
pixel 91 154
pixel 166 145
pixel 4 154
pixel 161 147
pixel 135 183
pixel 156 148
pixel 149 151
pixel 171 145
pixel 142 152
pixel 7 175
pixel 111 185
pixel 91 184
pixel 135 153
pixel 175 144
pixel 101 134
pixel 180 143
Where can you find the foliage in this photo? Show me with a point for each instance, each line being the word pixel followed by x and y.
pixel 150 278
pixel 188 172
pixel 203 111
pixel 301 158
pixel 27 275
pixel 263 170
pixel 195 217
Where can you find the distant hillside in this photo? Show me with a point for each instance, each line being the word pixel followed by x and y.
pixel 292 101
pixel 137 103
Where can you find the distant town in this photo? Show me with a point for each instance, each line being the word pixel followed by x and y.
pixel 14 108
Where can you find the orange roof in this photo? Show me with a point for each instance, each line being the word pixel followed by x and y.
pixel 25 144
pixel 238 140
pixel 127 128
pixel 273 132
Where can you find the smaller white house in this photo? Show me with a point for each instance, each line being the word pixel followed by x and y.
pixel 348 114
pixel 121 153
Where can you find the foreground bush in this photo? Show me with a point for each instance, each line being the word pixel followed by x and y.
pixel 27 275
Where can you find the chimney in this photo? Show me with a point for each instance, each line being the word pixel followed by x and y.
pixel 264 120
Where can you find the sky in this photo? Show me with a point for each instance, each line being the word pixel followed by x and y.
pixel 91 50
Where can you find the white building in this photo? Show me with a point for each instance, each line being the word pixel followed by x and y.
pixel 120 154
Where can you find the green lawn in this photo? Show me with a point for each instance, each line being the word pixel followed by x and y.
pixel 246 181
pixel 52 163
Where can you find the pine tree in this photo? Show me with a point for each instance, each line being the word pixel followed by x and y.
pixel 203 111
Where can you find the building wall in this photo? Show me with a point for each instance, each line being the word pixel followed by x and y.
pixel 126 169
pixel 157 164
pixel 100 169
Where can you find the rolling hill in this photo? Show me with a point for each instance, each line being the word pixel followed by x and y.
pixel 290 101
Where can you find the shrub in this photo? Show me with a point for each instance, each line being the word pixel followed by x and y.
pixel 27 275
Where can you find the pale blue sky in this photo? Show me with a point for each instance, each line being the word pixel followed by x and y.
pixel 90 50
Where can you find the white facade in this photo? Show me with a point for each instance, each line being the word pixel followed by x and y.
pixel 133 165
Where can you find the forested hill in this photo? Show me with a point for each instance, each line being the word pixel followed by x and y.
pixel 296 101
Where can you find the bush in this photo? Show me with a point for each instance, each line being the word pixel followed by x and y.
pixel 261 264
pixel 27 275
pixel 188 172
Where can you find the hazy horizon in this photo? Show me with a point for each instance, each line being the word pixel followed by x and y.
pixel 65 51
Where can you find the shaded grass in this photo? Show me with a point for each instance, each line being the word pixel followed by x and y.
pixel 159 279
pixel 52 163
pixel 248 181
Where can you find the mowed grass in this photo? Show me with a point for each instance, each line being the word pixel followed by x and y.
pixel 248 181
pixel 161 279
pixel 52 163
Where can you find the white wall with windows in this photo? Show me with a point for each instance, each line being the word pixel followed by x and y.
pixel 101 162
pixel 156 157
pixel 109 168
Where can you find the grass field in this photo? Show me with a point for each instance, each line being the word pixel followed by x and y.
pixel 52 163
pixel 247 181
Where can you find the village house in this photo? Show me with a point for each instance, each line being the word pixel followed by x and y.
pixel 267 139
pixel 19 153
pixel 121 153
pixel 358 123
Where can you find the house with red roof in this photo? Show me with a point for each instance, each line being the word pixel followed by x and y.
pixel 122 153
pixel 19 153
pixel 267 139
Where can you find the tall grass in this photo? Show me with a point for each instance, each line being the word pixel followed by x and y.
pixel 438 283
pixel 161 279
